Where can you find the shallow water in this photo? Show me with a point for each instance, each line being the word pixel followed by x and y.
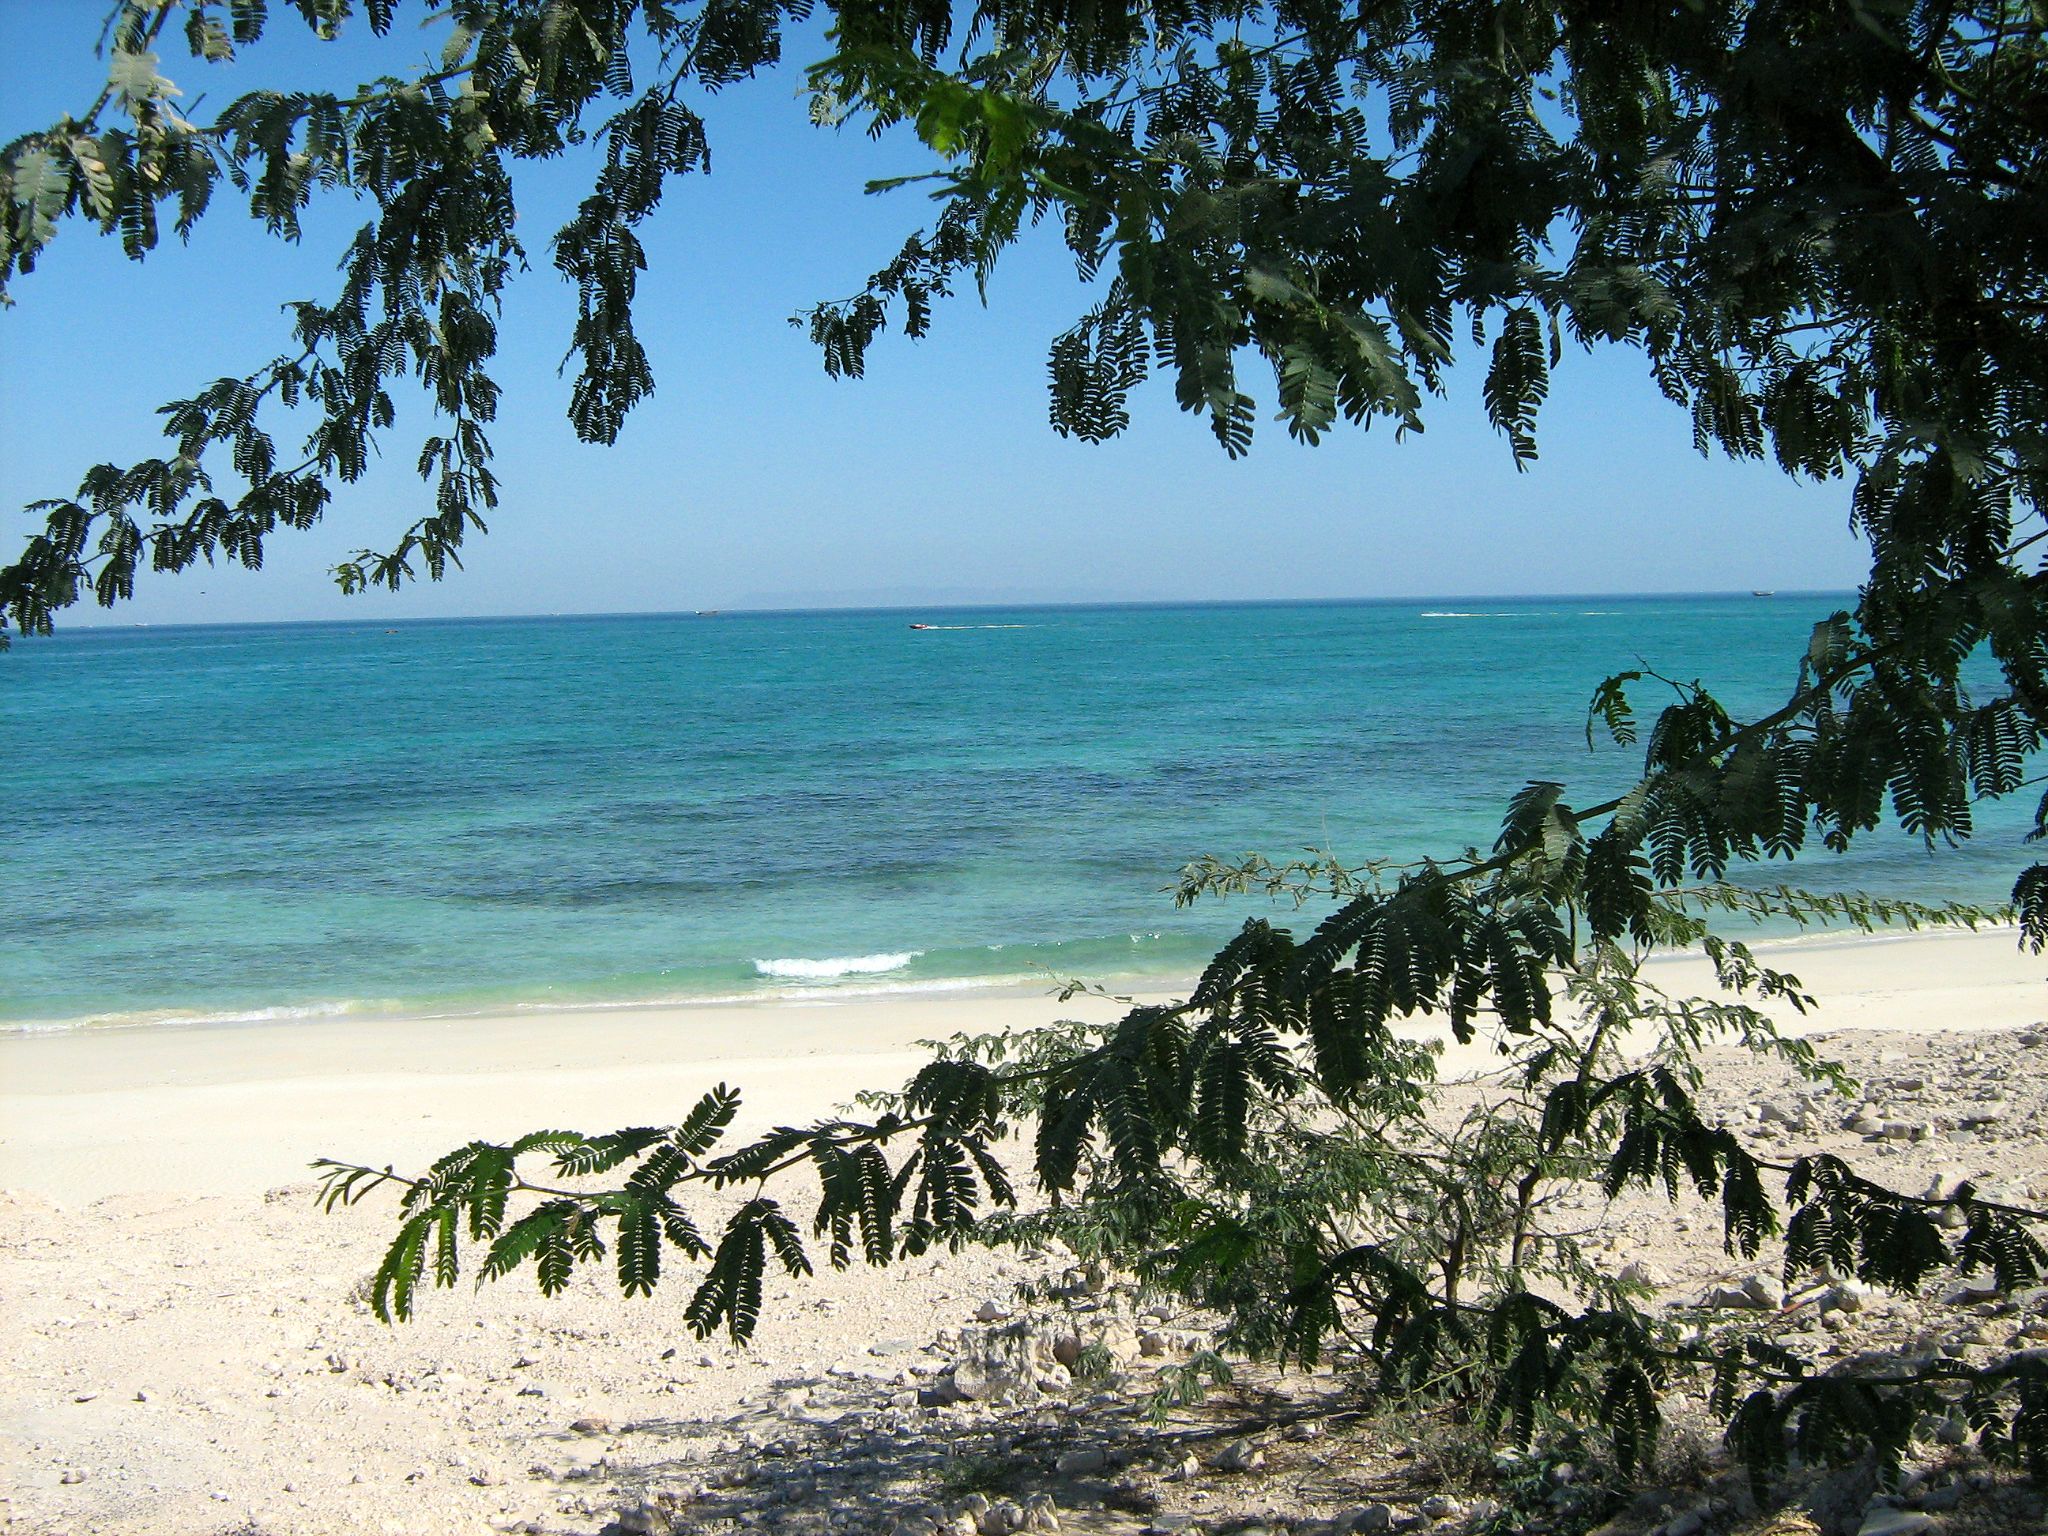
pixel 315 819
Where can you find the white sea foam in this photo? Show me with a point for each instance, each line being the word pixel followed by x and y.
pixel 826 997
pixel 1435 613
pixel 798 991
pixel 142 1018
pixel 835 965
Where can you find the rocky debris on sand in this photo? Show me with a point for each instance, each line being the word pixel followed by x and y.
pixel 1034 1393
pixel 1041 1397
pixel 1018 1360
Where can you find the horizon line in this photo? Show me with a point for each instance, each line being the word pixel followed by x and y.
pixel 955 606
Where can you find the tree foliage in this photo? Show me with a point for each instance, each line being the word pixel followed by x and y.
pixel 1268 1149
pixel 1821 224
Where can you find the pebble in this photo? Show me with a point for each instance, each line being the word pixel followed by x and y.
pixel 1739 1298
pixel 1846 1296
pixel 1895 1522
pixel 1764 1292
pixel 1970 1292
pixel 1238 1456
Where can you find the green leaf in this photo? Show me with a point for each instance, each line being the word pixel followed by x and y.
pixel 134 80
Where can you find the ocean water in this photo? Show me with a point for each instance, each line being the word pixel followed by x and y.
pixel 263 821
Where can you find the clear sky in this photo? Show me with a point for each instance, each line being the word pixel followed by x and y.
pixel 752 480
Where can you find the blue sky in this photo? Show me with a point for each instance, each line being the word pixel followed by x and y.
pixel 750 479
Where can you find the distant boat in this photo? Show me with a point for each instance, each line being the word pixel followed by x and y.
pixel 1762 592
pixel 920 626
pixel 707 613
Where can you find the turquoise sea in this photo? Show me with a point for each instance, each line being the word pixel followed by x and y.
pixel 300 820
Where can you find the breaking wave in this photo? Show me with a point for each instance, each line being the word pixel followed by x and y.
pixel 835 965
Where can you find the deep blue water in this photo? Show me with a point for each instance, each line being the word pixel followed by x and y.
pixel 232 821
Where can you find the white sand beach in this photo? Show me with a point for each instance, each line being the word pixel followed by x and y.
pixel 190 1352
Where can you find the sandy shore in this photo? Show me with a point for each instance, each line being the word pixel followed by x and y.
pixel 182 1330
pixel 219 1110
